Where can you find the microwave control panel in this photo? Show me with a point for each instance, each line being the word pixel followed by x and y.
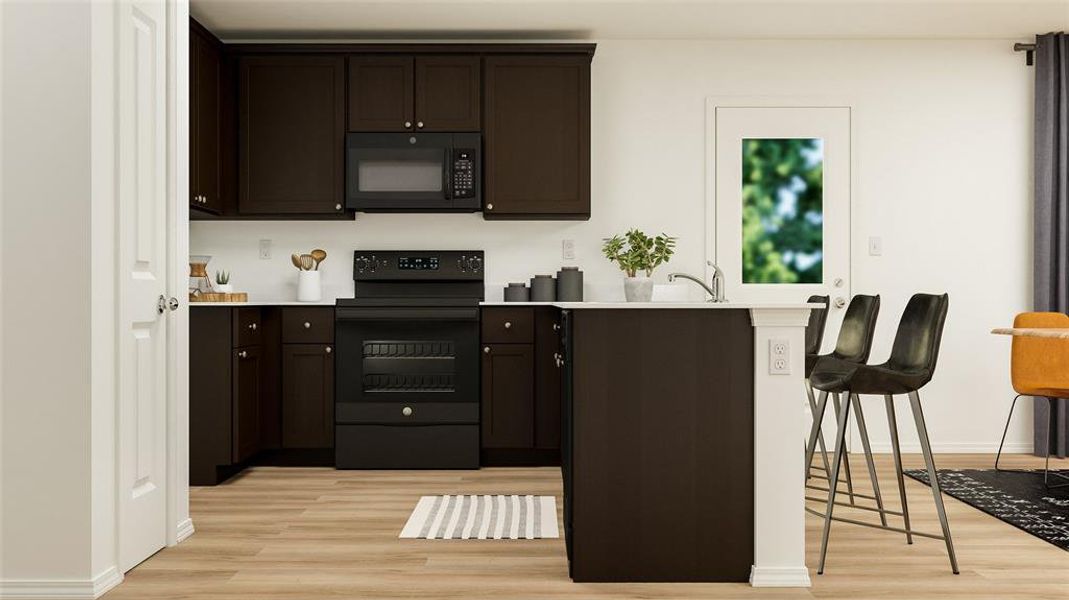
pixel 463 173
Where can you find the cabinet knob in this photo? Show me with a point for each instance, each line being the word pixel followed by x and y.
pixel 252 326
pixel 307 325
pixel 327 349
pixel 407 411
pixel 486 350
pixel 204 199
pixel 420 124
pixel 556 327
pixel 489 207
pixel 337 207
pixel 243 354
pixel 408 124
pixel 508 324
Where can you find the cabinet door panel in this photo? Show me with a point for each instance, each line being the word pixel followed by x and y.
pixel 206 119
pixel 308 396
pixel 246 380
pixel 292 128
pixel 508 396
pixel 380 93
pixel 537 132
pixel 447 93
pixel 547 379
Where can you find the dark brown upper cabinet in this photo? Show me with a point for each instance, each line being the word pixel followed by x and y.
pixel 291 135
pixel 205 120
pixel 536 155
pixel 405 93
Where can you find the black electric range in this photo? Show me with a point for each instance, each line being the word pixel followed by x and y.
pixel 407 362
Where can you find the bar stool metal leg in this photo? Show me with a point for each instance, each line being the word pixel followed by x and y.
pixel 816 435
pixel 926 449
pixel 833 478
pixel 846 456
pixel 892 424
pixel 863 430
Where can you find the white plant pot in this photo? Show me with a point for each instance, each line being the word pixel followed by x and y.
pixel 638 289
pixel 224 288
pixel 308 287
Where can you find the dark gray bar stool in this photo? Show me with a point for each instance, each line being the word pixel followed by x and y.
pixel 852 346
pixel 910 366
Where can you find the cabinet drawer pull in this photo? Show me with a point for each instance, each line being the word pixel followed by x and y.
pixel 327 349
pixel 486 350
pixel 307 325
pixel 508 324
pixel 406 411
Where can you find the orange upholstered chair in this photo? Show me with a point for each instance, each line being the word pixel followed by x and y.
pixel 1039 366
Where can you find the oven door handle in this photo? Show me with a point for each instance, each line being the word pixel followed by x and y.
pixel 407 314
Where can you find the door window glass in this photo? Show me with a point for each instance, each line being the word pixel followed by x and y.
pixel 783 210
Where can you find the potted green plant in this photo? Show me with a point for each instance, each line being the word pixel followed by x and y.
pixel 222 282
pixel 637 255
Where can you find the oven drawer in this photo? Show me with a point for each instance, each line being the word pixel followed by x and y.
pixel 308 325
pixel 417 412
pixel 247 326
pixel 407 447
pixel 501 325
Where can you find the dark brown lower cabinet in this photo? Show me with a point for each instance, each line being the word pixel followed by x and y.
pixel 307 396
pixel 508 396
pixel 521 390
pixel 247 374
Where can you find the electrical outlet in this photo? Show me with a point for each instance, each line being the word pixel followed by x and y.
pixel 875 246
pixel 779 357
pixel 265 249
pixel 568 249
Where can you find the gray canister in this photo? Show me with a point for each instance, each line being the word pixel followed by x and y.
pixel 569 284
pixel 517 292
pixel 543 288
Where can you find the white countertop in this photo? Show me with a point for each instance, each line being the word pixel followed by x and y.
pixel 660 305
pixel 266 303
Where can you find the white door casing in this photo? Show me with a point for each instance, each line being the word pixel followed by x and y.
pixel 730 125
pixel 142 228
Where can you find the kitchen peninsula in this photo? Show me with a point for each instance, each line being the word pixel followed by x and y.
pixel 679 444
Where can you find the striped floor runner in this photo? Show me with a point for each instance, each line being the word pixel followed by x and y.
pixel 483 518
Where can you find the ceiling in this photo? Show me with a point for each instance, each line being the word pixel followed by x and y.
pixel 235 20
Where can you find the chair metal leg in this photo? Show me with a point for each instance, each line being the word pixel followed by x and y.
pixel 1005 429
pixel 1050 442
pixel 892 424
pixel 840 452
pixel 816 435
pixel 933 477
pixel 867 447
pixel 846 455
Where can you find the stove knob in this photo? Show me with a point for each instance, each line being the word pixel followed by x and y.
pixel 362 264
pixel 475 264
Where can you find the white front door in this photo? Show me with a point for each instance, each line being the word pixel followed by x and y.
pixel 781 206
pixel 142 233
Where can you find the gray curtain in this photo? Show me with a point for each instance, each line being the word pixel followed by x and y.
pixel 1052 213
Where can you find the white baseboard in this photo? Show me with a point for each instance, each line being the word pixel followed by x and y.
pixel 953 448
pixel 183 531
pixel 69 589
pixel 779 576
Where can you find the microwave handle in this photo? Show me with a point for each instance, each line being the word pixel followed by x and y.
pixel 447 173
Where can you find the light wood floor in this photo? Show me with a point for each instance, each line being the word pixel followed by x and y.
pixel 318 533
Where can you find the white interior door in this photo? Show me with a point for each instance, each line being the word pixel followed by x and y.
pixel 781 210
pixel 142 246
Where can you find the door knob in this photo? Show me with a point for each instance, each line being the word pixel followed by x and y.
pixel 840 302
pixel 172 304
pixel 161 304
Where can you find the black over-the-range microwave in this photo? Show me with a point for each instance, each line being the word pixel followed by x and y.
pixel 413 172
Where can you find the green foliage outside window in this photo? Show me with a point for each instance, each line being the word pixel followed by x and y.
pixel 782 210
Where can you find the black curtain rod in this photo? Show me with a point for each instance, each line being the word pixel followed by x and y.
pixel 1028 49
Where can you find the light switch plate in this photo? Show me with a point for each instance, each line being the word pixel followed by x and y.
pixel 779 357
pixel 875 246
pixel 568 249
pixel 265 249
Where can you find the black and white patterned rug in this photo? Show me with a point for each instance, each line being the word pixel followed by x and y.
pixel 1019 499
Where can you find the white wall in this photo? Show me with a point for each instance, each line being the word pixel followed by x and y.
pixel 944 143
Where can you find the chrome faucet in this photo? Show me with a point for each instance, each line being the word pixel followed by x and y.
pixel 716 291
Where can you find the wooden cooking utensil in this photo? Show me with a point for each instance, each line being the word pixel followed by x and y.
pixel 296 261
pixel 306 262
pixel 319 256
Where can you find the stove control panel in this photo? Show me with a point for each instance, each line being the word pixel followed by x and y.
pixel 391 265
